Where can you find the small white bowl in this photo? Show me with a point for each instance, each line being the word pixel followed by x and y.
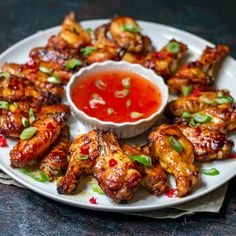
pixel 125 129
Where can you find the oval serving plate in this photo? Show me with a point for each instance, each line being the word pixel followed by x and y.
pixel 143 200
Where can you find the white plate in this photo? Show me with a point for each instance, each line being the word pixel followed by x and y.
pixel 142 200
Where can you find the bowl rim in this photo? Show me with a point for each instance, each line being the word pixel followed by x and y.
pixel 164 94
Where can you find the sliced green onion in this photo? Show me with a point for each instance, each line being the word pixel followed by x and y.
pixel 7 75
pixel 100 84
pixel 207 100
pixel 135 115
pixel 131 28
pixel 121 93
pixel 42 178
pixel 88 50
pixel 71 64
pixel 16 105
pixel 126 83
pixel 186 90
pixel 110 111
pixel 32 115
pixel 54 79
pixel 45 70
pixel 96 188
pixel 4 105
pixel 93 102
pixel 192 122
pixel 89 30
pixel 82 157
pixel 212 171
pixel 224 100
pixel 28 133
pixel 173 47
pixel 202 118
pixel 128 103
pixel 25 122
pixel 220 94
pixel 143 159
pixel 185 114
pixel 175 144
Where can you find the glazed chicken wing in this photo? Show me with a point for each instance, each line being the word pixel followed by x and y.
pixel 47 131
pixel 116 173
pixel 165 63
pixel 130 40
pixel 55 162
pixel 179 163
pixel 105 48
pixel 199 73
pixel 71 37
pixel 208 144
pixel 83 153
pixel 154 177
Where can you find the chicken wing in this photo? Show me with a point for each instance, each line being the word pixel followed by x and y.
pixel 47 131
pixel 105 48
pixel 198 74
pixel 179 163
pixel 208 144
pixel 55 162
pixel 71 37
pixel 130 40
pixel 116 173
pixel 17 89
pixel 154 177
pixel 83 152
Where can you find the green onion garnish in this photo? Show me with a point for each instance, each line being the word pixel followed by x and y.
pixel 202 118
pixel 45 70
pixel 16 105
pixel 82 157
pixel 173 47
pixel 42 178
pixel 143 159
pixel 121 93
pixel 224 99
pixel 185 114
pixel 175 144
pixel 96 188
pixel 212 171
pixel 128 103
pixel 28 133
pixel 7 75
pixel 54 79
pixel 135 115
pixel 100 84
pixel 192 122
pixel 31 115
pixel 126 83
pixel 4 105
pixel 186 90
pixel 110 111
pixel 88 50
pixel 131 28
pixel 25 122
pixel 71 64
pixel 89 29
pixel 220 94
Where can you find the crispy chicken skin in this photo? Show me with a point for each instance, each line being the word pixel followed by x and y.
pixel 105 48
pixel 208 144
pixel 79 163
pixel 22 90
pixel 181 165
pixel 199 73
pixel 48 129
pixel 55 162
pixel 154 177
pixel 116 173
pixel 192 103
pixel 223 118
pixel 33 74
pixel 71 37
pixel 132 42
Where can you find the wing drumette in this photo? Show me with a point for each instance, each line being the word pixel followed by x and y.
pixel 180 163
pixel 198 74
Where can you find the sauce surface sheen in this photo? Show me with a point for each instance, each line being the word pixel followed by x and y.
pixel 96 95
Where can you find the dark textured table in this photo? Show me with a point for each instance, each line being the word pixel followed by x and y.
pixel 23 212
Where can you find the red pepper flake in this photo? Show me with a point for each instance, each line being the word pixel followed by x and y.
pixel 85 149
pixel 171 192
pixel 93 200
pixel 3 142
pixel 112 162
pixel 33 65
pixel 196 92
pixel 232 155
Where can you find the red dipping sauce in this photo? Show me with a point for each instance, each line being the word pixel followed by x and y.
pixel 116 96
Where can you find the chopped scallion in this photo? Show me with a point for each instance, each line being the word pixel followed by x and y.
pixel 186 90
pixel 175 144
pixel 143 159
pixel 4 105
pixel 173 47
pixel 73 63
pixel 131 28
pixel 28 133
